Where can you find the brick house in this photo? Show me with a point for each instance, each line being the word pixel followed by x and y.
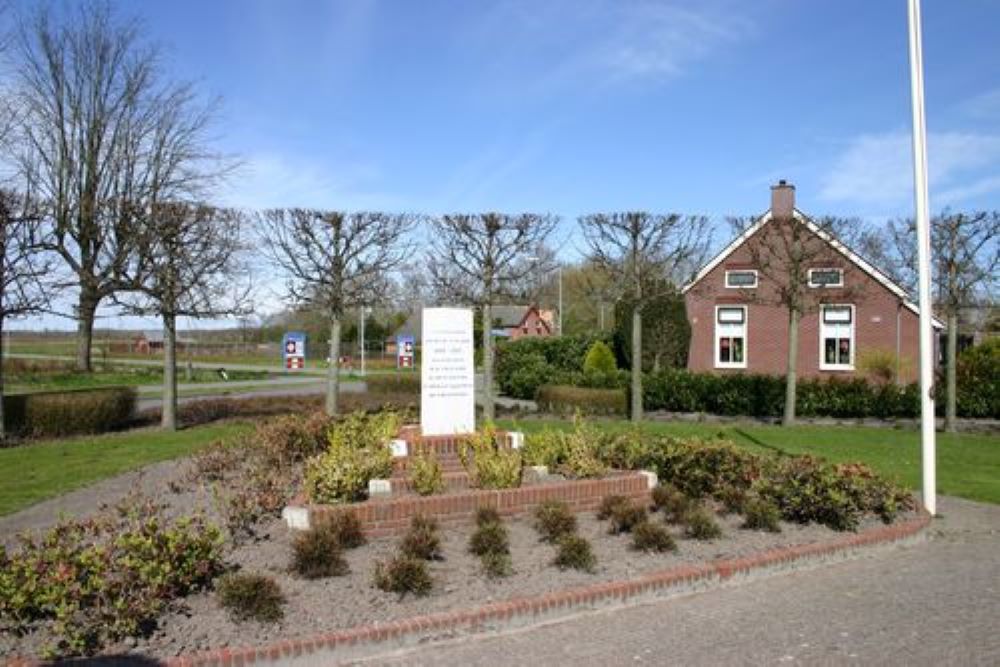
pixel 737 327
pixel 521 321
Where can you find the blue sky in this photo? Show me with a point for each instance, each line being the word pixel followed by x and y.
pixel 585 105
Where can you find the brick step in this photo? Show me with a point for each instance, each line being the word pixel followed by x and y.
pixel 442 445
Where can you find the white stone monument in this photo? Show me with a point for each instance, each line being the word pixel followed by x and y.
pixel 447 372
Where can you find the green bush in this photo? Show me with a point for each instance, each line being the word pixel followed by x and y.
pixel 485 515
pixel 700 525
pixel 98 581
pixel 400 382
pixel 358 452
pixel 978 376
pixel 672 502
pixel 761 514
pixel 426 475
pixel 489 538
pixel 421 541
pixel 573 453
pixel 609 504
pixel 289 439
pixel 562 399
pixel 347 528
pixel 599 359
pixel 650 536
pixel 403 575
pixel 523 365
pixel 251 597
pixel 574 552
pixel 553 520
pixel 496 565
pixel 490 465
pixel 68 412
pixel 316 553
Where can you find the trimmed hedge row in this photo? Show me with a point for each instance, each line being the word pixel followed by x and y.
pixel 524 365
pixel 563 399
pixel 69 412
pixel 404 382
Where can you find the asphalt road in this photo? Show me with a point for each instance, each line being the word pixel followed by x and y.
pixel 932 603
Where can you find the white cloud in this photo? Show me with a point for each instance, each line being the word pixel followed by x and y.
pixel 876 170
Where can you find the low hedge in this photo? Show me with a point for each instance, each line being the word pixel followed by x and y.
pixel 563 399
pixel 69 412
pixel 394 383
pixel 753 395
pixel 524 365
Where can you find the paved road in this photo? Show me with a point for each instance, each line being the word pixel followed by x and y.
pixel 933 603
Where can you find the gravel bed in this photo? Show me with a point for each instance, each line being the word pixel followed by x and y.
pixel 199 623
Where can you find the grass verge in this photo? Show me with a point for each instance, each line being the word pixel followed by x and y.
pixel 33 473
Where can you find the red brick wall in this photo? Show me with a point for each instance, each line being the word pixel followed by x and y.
pixel 876 312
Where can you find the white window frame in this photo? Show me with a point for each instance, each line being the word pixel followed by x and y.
pixel 829 268
pixel 824 328
pixel 756 279
pixel 721 333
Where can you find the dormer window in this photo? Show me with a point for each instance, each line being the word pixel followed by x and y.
pixel 741 279
pixel 826 278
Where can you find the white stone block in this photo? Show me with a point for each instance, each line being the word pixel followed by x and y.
pixel 297 518
pixel 379 487
pixel 515 439
pixel 651 478
pixel 399 448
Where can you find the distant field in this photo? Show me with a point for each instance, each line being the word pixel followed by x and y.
pixel 23 375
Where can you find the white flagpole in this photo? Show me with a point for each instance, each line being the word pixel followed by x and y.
pixel 927 417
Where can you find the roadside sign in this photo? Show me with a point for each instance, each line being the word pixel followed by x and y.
pixel 405 351
pixel 293 347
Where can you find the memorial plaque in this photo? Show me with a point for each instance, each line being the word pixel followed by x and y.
pixel 447 372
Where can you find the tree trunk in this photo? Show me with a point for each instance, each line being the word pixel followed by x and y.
pixel 636 364
pixel 489 410
pixel 86 312
pixel 169 411
pixel 333 370
pixel 791 375
pixel 951 402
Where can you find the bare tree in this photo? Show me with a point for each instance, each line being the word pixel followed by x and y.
pixel 965 250
pixel 24 268
pixel 103 135
pixel 783 251
pixel 478 258
pixel 642 252
pixel 333 261
pixel 191 266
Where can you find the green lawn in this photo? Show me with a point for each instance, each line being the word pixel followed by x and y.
pixel 35 472
pixel 113 376
pixel 968 465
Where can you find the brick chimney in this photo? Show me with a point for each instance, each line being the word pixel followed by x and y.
pixel 782 200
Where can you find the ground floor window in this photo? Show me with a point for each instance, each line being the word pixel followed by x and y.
pixel 730 336
pixel 836 337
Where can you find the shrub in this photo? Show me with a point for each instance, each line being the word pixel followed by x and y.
pixel 761 514
pixel 316 553
pixel 626 516
pixel 609 504
pixel 214 462
pixel 553 520
pixel 560 399
pixel 403 575
pixel 251 597
pixel 485 515
pixel 400 382
pixel 544 448
pixel 573 453
pixel 496 565
pixel 977 373
pixel 489 538
pixel 263 493
pixel 426 475
pixel 672 502
pixel 599 359
pixel 421 541
pixel 524 365
pixel 700 525
pixel 650 536
pixel 490 465
pixel 574 552
pixel 733 499
pixel 347 528
pixel 98 581
pixel 68 412
pixel 882 366
pixel 289 439
pixel 358 452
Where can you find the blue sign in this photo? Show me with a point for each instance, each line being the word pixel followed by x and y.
pixel 293 349
pixel 405 351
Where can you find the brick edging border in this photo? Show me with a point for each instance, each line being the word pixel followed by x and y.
pixel 344 644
